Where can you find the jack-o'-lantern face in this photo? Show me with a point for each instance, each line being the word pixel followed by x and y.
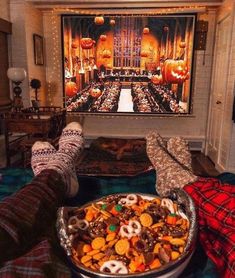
pixel 175 71
pixel 86 43
pixel 95 92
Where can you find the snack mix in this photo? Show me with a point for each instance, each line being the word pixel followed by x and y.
pixel 129 233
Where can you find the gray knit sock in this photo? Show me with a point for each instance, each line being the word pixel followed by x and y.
pixel 170 174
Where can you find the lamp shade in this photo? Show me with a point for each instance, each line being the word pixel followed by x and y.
pixel 16 74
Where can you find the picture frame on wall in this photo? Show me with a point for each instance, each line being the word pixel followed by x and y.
pixel 38 49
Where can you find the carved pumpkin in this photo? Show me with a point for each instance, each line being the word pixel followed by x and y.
pixel 146 30
pixel 112 22
pixel 175 71
pixel 95 92
pixel 86 43
pixel 103 37
pixel 70 89
pixel 144 54
pixel 99 20
pixel 106 53
pixel 182 44
pixel 157 79
pixel 166 28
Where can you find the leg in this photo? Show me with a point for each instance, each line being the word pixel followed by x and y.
pixel 170 174
pixel 178 148
pixel 26 215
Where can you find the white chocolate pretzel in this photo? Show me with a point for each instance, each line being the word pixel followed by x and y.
pixel 132 229
pixel 114 266
pixel 169 204
pixel 130 200
pixel 74 224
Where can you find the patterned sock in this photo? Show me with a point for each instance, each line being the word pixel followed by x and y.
pixel 42 152
pixel 178 148
pixel 70 146
pixel 170 174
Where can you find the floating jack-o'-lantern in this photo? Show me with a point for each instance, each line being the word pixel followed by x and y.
pixel 103 37
pixel 106 53
pixel 144 54
pixel 70 88
pixel 175 71
pixel 112 22
pixel 95 92
pixel 182 44
pixel 146 30
pixel 157 79
pixel 86 43
pixel 165 28
pixel 99 20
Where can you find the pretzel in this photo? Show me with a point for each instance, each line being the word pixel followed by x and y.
pixel 168 204
pixel 114 266
pixel 132 229
pixel 74 224
pixel 130 200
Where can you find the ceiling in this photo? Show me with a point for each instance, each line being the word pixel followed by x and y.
pixel 122 4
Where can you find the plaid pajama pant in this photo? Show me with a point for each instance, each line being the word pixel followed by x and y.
pixel 28 242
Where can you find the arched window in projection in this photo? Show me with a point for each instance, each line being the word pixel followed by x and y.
pixel 127 42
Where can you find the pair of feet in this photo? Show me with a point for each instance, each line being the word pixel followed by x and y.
pixel 45 156
pixel 172 162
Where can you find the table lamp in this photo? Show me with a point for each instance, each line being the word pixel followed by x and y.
pixel 17 75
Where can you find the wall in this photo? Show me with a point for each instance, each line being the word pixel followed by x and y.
pixel 26 20
pixel 4 10
pixel 132 126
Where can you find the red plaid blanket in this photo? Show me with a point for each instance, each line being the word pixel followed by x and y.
pixel 216 216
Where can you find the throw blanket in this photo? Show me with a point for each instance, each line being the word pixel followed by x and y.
pixel 216 220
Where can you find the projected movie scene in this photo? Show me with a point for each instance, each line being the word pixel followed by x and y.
pixel 128 64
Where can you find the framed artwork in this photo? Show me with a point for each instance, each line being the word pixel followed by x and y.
pixel 128 64
pixel 38 49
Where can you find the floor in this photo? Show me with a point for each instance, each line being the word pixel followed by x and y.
pixel 202 165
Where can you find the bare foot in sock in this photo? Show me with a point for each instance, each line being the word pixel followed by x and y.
pixel 170 174
pixel 42 152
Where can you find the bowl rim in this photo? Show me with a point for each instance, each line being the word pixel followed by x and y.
pixel 189 249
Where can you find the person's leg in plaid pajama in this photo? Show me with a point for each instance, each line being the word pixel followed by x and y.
pixel 28 242
pixel 215 201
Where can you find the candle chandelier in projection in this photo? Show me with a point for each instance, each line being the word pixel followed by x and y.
pixel 146 59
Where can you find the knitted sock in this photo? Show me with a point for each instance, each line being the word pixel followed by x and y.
pixel 42 152
pixel 170 174
pixel 70 146
pixel 178 148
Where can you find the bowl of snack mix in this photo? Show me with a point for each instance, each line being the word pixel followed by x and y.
pixel 130 235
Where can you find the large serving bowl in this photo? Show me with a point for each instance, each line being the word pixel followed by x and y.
pixel 172 269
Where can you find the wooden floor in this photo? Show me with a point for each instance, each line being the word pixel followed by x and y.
pixel 202 165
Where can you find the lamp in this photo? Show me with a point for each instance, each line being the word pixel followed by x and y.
pixel 17 75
